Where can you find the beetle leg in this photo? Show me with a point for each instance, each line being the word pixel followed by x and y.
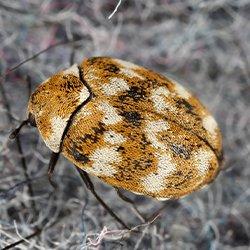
pixel 131 202
pixel 15 132
pixel 123 197
pixel 52 163
pixel 91 187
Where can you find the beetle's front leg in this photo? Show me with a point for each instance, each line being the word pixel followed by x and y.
pixel 52 163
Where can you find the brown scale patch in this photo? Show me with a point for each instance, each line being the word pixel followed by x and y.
pixel 180 150
pixel 97 131
pixel 44 125
pixel 132 117
pixel 78 154
pixel 136 93
pixel 183 104
pixel 112 68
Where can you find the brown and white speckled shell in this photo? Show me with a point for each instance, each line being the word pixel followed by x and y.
pixel 53 103
pixel 140 130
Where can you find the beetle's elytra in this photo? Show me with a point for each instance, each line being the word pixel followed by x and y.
pixel 129 126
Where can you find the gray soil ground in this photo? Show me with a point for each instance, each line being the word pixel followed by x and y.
pixel 203 44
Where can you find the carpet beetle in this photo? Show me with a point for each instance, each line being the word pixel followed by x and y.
pixel 129 126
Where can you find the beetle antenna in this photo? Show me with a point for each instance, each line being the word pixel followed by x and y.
pixel 16 131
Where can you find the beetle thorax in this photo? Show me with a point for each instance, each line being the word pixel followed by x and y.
pixel 53 103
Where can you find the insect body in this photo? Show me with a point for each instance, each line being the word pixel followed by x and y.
pixel 129 126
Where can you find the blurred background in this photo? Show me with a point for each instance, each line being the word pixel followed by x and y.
pixel 205 45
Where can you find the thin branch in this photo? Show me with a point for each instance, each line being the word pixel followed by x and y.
pixel 8 71
pixel 115 10
pixel 33 57
pixel 36 233
pixel 14 10
pixel 20 151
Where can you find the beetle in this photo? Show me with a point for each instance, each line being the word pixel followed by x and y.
pixel 133 128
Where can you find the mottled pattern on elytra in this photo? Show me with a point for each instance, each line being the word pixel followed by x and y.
pixel 142 132
pixel 142 95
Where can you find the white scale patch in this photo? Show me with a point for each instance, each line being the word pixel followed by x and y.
pixel 130 73
pixel 158 198
pixel 128 69
pixel 163 198
pixel 58 125
pixel 156 182
pixel 159 100
pixel 210 125
pixel 152 129
pixel 126 64
pixel 113 138
pixel 115 85
pixel 110 114
pixel 91 75
pixel 103 158
pixel 84 94
pixel 137 193
pixel 84 112
pixel 72 70
pixel 47 80
pixel 202 159
pixel 180 90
